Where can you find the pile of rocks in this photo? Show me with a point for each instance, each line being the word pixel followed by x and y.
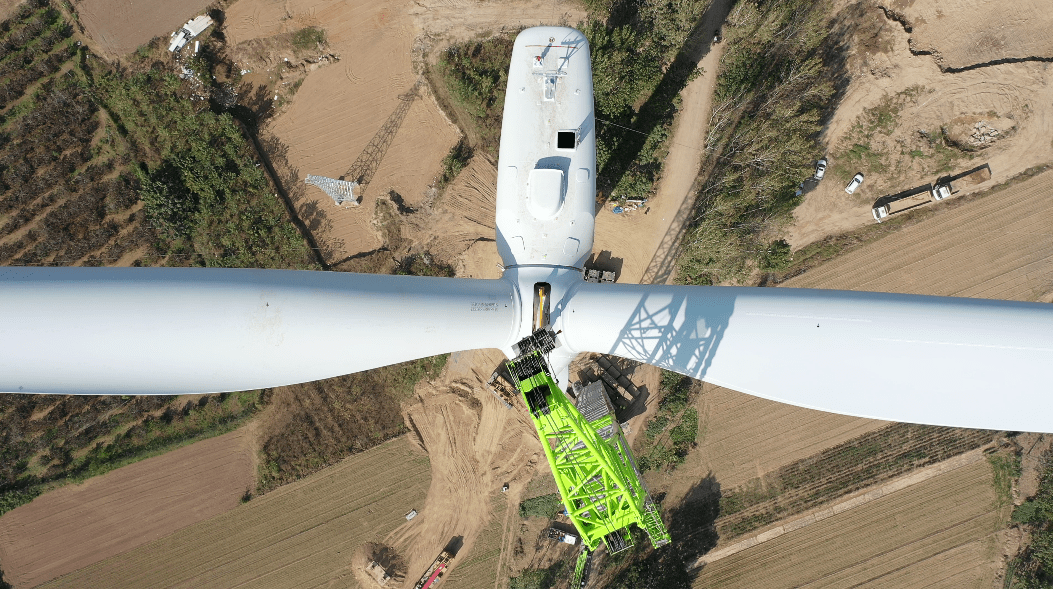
pixel 983 133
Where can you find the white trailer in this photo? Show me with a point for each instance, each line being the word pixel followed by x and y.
pixel 191 29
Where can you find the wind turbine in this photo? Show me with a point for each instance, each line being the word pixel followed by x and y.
pixel 945 361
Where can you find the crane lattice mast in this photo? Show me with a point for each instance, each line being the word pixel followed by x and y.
pixel 589 455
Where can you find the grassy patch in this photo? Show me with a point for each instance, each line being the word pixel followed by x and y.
pixel 673 430
pixel 1006 469
pixel 1033 568
pixel 538 578
pixel 475 74
pixel 423 264
pixel 308 38
pixel 543 506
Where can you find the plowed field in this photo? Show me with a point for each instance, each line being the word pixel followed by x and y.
pixel 938 533
pixel 304 534
pixel 78 525
pixel 998 247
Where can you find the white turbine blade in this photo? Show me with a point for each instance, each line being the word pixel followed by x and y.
pixel 937 360
pixel 180 330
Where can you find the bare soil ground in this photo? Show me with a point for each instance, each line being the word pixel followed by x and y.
pixel 943 532
pixel 996 247
pixel 377 43
pixel 460 227
pixel 78 525
pixel 120 26
pixel 306 534
pixel 967 33
pixel 7 7
pixel 883 69
pixel 475 446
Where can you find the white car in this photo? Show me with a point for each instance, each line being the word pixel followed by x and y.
pixel 880 212
pixel 941 191
pixel 856 181
pixel 820 169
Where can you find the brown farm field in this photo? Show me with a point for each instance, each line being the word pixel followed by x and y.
pixel 939 533
pixel 305 534
pixel 78 525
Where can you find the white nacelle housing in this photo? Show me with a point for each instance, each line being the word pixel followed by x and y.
pixel 546 181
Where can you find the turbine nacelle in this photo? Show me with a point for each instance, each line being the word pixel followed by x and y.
pixel 546 179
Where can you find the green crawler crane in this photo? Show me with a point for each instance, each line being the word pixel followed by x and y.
pixel 590 458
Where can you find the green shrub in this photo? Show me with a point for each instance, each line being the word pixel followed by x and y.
pixel 454 162
pixel 685 433
pixel 423 265
pixel 655 426
pixel 777 257
pixel 1025 513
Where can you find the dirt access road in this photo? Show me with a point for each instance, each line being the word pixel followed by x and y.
pixel 78 525
pixel 647 240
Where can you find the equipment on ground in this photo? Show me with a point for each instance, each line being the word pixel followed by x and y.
pixel 856 181
pixel 820 169
pixel 378 573
pixel 560 536
pixel 191 29
pixel 435 571
pixel 880 212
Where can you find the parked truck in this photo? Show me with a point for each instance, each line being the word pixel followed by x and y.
pixel 561 536
pixel 942 190
pixel 435 572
